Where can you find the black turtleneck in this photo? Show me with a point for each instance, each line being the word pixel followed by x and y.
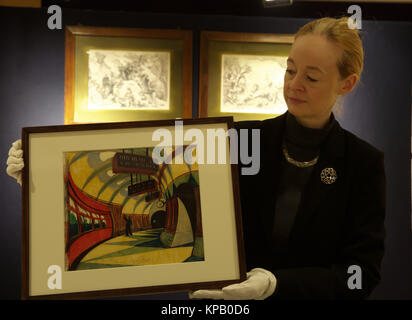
pixel 303 144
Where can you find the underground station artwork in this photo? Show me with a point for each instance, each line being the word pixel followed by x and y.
pixel 122 209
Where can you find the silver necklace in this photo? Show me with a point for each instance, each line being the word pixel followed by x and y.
pixel 300 164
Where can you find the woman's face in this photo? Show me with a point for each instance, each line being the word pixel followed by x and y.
pixel 312 81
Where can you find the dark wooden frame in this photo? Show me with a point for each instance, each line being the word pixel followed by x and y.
pixel 25 270
pixel 73 31
pixel 207 36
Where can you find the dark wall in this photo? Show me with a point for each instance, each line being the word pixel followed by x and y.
pixel 32 94
pixel 379 111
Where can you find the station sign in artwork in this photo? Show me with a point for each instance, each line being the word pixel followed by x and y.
pixel 142 187
pixel 134 163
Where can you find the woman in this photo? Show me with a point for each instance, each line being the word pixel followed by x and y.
pixel 315 211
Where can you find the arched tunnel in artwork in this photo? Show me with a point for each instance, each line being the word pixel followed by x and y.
pixel 158 219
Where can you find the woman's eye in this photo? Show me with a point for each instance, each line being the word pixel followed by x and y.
pixel 292 72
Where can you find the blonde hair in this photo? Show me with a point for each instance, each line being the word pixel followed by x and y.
pixel 338 31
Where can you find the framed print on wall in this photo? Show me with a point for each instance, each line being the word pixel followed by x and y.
pixel 104 217
pixel 241 74
pixel 127 74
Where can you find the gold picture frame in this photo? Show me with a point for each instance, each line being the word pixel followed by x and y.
pixel 52 193
pixel 236 77
pixel 127 74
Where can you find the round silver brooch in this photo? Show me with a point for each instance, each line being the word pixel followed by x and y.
pixel 328 175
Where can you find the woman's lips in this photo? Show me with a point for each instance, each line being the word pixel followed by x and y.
pixel 293 100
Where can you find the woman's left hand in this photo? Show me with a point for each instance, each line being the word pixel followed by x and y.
pixel 259 285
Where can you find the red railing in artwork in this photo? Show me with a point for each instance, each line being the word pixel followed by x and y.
pixel 86 208
pixel 86 241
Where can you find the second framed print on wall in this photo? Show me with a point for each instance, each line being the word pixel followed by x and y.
pixel 127 74
pixel 241 74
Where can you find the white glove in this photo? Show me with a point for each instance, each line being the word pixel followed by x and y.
pixel 259 285
pixel 15 162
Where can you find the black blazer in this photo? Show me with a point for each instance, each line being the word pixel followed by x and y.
pixel 336 226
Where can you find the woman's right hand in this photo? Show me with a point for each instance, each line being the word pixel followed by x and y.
pixel 15 162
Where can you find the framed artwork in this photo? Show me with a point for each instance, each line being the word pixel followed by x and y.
pixel 241 74
pixel 126 74
pixel 108 210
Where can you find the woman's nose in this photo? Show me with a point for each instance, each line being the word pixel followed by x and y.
pixel 296 83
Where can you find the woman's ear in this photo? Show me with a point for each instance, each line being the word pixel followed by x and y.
pixel 348 83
